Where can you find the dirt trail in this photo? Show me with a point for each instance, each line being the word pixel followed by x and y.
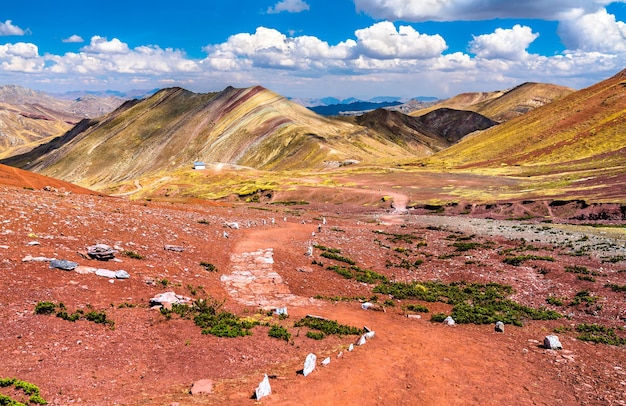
pixel 253 281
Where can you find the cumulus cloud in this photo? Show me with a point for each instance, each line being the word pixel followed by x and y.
pixel 598 32
pixel 7 28
pixel 509 44
pixel 73 38
pixel 289 6
pixel 20 57
pixel 383 41
pixel 102 45
pixel 455 10
pixel 270 48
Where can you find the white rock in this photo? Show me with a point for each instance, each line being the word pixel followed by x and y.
pixel 362 340
pixel 106 273
pixel 309 364
pixel 369 335
pixel 449 321
pixel 326 361
pixel 264 388
pixel 351 347
pixel 121 274
pixel 366 305
pixel 552 342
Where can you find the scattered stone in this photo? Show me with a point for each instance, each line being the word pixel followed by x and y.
pixel 369 335
pixel 351 347
pixel 63 264
pixel 121 274
pixel 449 321
pixel 552 342
pixel 362 340
pixel 309 251
pixel 225 234
pixel 233 225
pixel 168 298
pixel 499 327
pixel 30 258
pixel 84 270
pixel 367 305
pixel 309 364
pixel 414 316
pixel 202 386
pixel 175 248
pixel 264 388
pixel 326 361
pixel 33 243
pixel 101 252
pixel 281 310
pixel 106 273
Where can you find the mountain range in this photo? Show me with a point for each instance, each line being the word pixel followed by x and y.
pixel 149 145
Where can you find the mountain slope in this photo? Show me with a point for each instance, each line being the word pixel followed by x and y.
pixel 586 129
pixel 251 127
pixel 29 118
pixel 15 177
pixel 505 105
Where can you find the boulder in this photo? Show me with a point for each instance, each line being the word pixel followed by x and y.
pixel 121 274
pixel 84 270
pixel 264 388
pixel 168 298
pixel 63 264
pixel 101 252
pixel 449 321
pixel 552 342
pixel 309 364
pixel 499 327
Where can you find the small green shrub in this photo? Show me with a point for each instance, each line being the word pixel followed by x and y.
pixel 316 335
pixel 279 332
pixel 132 254
pixel 516 261
pixel 555 301
pixel 417 308
pixel 29 389
pixel 45 308
pixel 599 334
pixel 616 288
pixel 327 327
pixel 208 266
pixel 337 257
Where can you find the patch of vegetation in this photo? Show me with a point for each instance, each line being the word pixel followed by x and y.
pixel 462 246
pixel 417 308
pixel 340 298
pixel 555 301
pixel 32 391
pixel 98 317
pixel 584 296
pixel 126 305
pixel 516 261
pixel 208 266
pixel 337 229
pixel 207 315
pixel 45 308
pixel 324 248
pixel 404 263
pixel 587 278
pixel 395 238
pixel 337 257
pixel 473 302
pixel 615 287
pixel 279 332
pixel 132 254
pixel 615 259
pixel 597 333
pixel 326 327
pixel 361 275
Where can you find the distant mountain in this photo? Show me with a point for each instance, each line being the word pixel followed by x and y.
pixel 165 133
pixel 503 105
pixel 124 95
pixel 584 130
pixel 30 117
pixel 351 108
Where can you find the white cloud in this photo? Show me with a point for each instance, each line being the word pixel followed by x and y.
pixel 102 45
pixel 20 57
pixel 455 10
pixel 7 28
pixel 290 6
pixel 73 38
pixel 598 31
pixel 383 41
pixel 508 44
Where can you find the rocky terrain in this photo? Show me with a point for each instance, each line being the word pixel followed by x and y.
pixel 252 258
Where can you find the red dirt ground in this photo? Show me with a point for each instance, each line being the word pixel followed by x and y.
pixel 149 360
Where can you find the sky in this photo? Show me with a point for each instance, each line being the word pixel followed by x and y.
pixel 311 48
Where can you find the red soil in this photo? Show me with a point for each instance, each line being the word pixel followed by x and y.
pixel 149 360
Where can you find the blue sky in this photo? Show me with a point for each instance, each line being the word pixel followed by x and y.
pixel 311 48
